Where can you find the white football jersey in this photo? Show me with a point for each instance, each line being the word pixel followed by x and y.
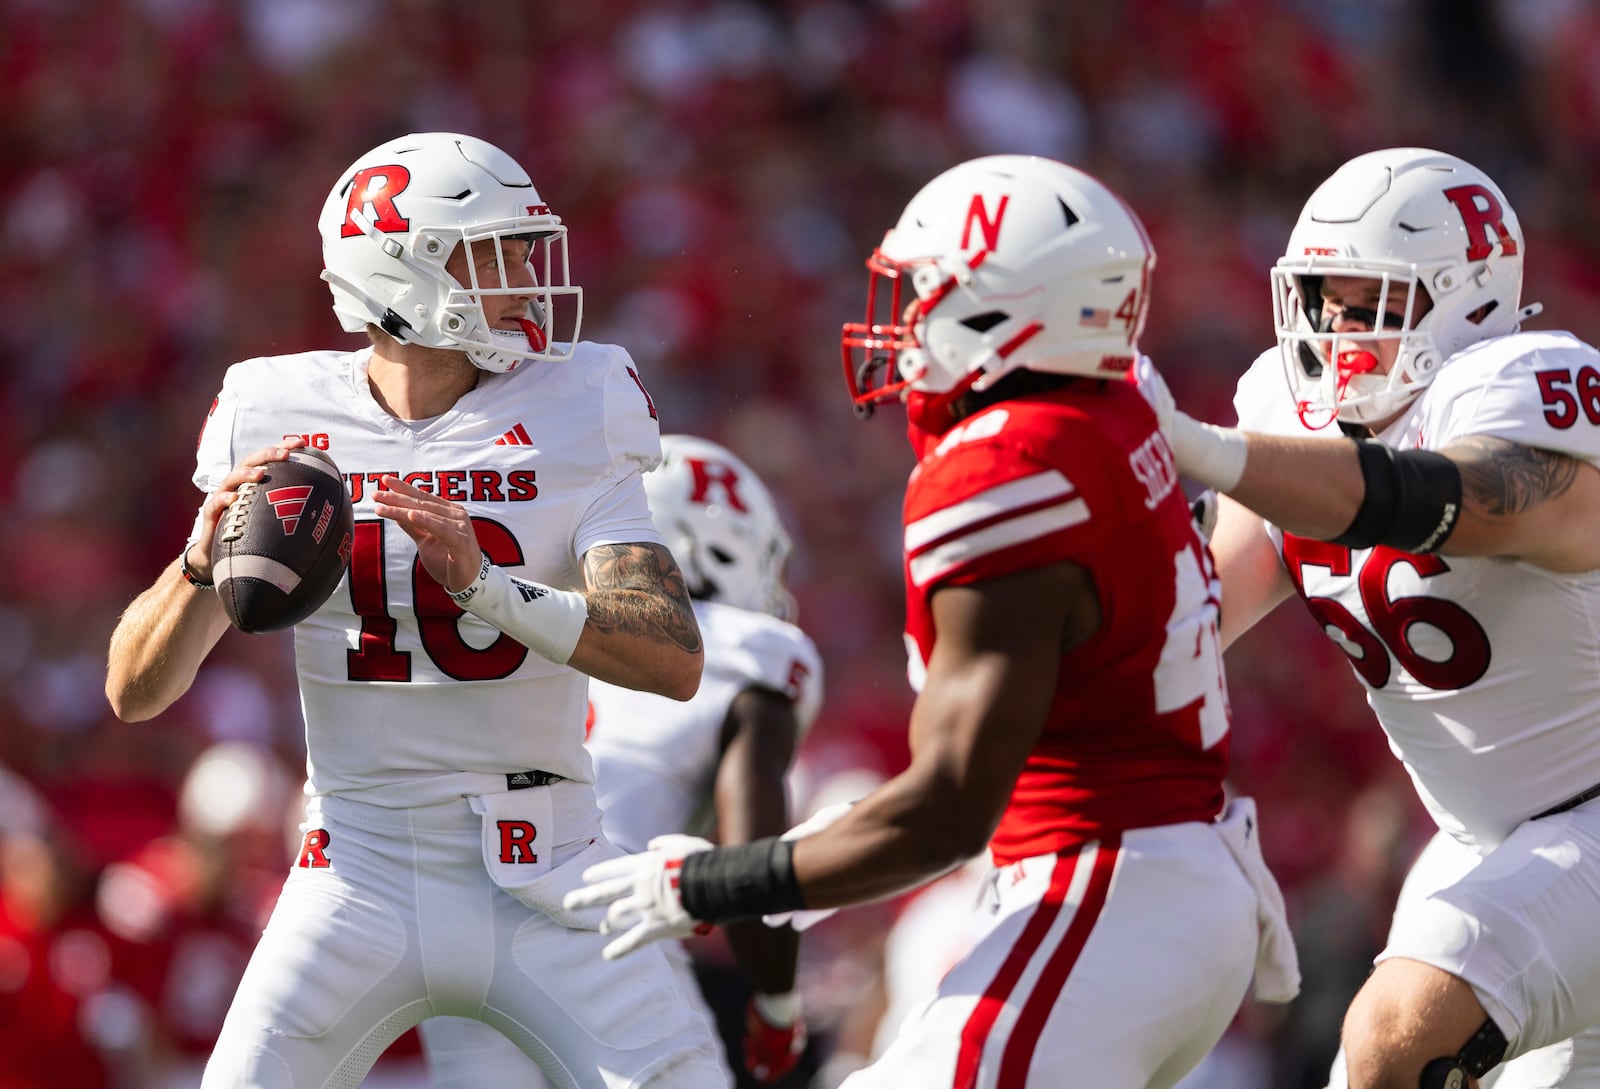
pixel 408 700
pixel 1484 672
pixel 656 759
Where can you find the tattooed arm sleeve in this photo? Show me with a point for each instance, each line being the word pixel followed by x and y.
pixel 641 632
pixel 1526 503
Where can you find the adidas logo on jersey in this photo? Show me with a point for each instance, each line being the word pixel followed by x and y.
pixel 517 436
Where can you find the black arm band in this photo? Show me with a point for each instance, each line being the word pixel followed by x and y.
pixel 740 882
pixel 1412 501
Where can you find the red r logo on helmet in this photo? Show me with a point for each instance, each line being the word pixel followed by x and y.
pixel 375 188
pixel 1485 221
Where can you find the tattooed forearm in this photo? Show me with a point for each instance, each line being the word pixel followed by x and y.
pixel 1501 478
pixel 637 589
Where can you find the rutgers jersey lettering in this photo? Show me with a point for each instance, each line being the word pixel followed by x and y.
pixel 1137 733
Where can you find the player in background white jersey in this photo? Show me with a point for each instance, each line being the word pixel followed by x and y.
pixel 1428 482
pixel 662 766
pixel 1071 715
pixel 503 552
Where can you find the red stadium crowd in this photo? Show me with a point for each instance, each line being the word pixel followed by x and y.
pixel 723 165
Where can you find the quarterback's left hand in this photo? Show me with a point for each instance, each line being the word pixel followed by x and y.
pixel 642 890
pixel 771 1050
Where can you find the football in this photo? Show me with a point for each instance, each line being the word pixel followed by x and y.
pixel 283 544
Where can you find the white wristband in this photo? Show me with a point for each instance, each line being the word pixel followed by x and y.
pixel 547 621
pixel 1214 456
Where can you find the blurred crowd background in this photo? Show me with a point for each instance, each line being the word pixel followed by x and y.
pixel 724 166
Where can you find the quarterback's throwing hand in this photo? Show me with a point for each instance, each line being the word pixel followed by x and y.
pixel 642 891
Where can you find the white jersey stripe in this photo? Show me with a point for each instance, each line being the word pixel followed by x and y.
pixel 943 558
pixel 1028 491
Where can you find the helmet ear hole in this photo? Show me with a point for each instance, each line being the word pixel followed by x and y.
pixel 982 323
pixel 721 555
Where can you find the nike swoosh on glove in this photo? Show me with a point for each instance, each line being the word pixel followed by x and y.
pixel 642 890
pixel 771 1051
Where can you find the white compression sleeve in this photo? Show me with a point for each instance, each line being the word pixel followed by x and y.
pixel 547 621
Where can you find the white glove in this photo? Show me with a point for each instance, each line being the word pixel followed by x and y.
pixel 1214 456
pixel 806 919
pixel 1149 382
pixel 642 890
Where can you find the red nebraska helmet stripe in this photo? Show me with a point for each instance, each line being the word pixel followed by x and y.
pixel 1090 883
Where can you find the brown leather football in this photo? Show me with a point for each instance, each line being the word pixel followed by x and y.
pixel 284 543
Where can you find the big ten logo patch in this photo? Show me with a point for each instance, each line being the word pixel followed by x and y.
pixel 314 850
pixel 516 841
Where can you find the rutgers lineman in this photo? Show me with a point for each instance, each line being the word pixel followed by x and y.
pixel 443 684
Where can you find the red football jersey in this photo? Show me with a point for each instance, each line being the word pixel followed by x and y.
pixel 1137 733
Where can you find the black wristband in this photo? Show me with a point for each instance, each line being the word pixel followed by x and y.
pixel 1412 500
pixel 189 576
pixel 740 882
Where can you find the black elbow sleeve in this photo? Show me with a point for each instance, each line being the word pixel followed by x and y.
pixel 1412 501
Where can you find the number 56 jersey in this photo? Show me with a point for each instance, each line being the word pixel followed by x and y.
pixel 1483 671
pixel 407 699
pixel 1137 729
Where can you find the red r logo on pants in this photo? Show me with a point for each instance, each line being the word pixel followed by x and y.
pixel 516 841
pixel 313 850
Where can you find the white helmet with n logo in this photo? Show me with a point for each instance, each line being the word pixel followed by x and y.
pixel 1444 247
pixel 721 524
pixel 1001 263
pixel 398 213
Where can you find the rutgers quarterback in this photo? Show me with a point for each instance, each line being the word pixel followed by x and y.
pixel 1062 622
pixel 502 554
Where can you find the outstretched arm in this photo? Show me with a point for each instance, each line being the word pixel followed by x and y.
pixel 1515 501
pixel 981 710
pixel 988 690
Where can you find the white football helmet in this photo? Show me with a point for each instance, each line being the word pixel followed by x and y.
pixel 1013 261
pixel 398 213
pixel 1428 227
pixel 721 524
